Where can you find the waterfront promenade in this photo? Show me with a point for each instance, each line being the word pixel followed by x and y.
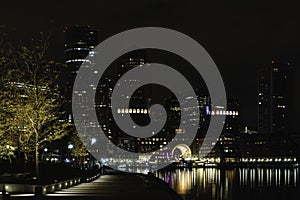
pixel 114 186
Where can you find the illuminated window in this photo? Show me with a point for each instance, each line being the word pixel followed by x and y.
pixel 78 60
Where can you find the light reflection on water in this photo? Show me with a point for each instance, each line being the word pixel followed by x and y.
pixel 246 183
pixel 137 170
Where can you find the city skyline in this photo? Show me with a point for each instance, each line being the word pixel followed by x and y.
pixel 273 98
pixel 181 100
pixel 240 37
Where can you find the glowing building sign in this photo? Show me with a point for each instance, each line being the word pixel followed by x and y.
pixel 220 112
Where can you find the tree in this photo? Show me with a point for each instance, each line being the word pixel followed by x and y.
pixel 79 151
pixel 7 141
pixel 32 100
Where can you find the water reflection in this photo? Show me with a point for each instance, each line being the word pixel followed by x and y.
pixel 268 177
pixel 136 170
pixel 246 183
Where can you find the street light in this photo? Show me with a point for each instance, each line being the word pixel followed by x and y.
pixel 70 146
pixel 93 141
pixel 43 155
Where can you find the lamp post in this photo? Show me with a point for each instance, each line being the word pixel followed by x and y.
pixel 44 152
pixel 70 147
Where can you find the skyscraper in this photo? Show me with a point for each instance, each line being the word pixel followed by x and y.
pixel 275 88
pixel 79 43
pixel 103 100
pixel 140 101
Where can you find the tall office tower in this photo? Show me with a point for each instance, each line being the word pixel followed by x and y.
pixel 79 43
pixel 232 122
pixel 275 94
pixel 231 128
pixel 138 102
pixel 232 113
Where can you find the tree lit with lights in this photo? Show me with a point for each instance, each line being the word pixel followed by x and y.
pixel 31 103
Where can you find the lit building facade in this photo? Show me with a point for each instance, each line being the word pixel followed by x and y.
pixel 138 109
pixel 274 97
pixel 138 102
pixel 225 147
pixel 79 43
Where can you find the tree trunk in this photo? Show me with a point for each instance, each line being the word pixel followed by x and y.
pixel 25 161
pixel 36 156
pixel 10 160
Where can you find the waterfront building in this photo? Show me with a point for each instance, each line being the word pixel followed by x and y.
pixel 275 92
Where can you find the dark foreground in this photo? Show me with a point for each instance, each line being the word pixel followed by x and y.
pixel 114 186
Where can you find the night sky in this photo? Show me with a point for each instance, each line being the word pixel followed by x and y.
pixel 240 35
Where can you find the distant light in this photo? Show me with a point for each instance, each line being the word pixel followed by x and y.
pixel 93 141
pixel 45 149
pixel 70 146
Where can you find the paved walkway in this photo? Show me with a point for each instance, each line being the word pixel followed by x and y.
pixel 116 186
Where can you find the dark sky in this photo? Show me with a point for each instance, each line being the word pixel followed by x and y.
pixel 239 35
